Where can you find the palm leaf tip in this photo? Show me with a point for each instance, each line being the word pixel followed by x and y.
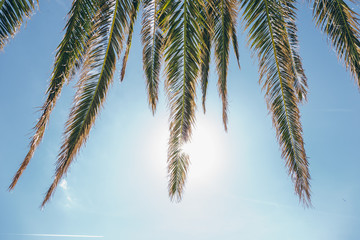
pixel 36 139
pixel 49 192
pixel 177 171
pixel 20 171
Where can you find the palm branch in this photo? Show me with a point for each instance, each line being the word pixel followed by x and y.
pixel 96 78
pixel 69 55
pixel 182 50
pixel 205 51
pixel 225 15
pixel 235 41
pixel 178 164
pixel 133 15
pixel 12 14
pixel 152 40
pixel 184 32
pixel 205 63
pixel 341 24
pixel 268 39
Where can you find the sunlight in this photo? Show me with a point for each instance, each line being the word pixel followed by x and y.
pixel 208 152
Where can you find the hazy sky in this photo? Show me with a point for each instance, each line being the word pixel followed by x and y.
pixel 237 188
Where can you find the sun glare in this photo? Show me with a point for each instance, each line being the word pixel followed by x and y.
pixel 207 151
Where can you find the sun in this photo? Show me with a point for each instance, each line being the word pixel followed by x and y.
pixel 208 152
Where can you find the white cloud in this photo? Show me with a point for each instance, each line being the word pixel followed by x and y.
pixel 63 184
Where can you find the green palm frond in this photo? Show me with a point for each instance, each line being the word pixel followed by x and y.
pixel 205 63
pixel 341 24
pixel 300 79
pixel 183 33
pixel 12 14
pixel 235 42
pixel 152 40
pixel 268 38
pixel 133 15
pixel 69 55
pixel 178 164
pixel 182 52
pixel 224 27
pixel 96 78
pixel 205 51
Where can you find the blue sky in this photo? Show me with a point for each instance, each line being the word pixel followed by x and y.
pixel 237 187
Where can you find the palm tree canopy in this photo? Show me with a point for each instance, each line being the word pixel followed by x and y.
pixel 181 35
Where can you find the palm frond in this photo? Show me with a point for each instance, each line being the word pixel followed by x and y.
pixel 182 51
pixel 94 83
pixel 341 24
pixel 69 55
pixel 300 79
pixel 152 40
pixel 224 28
pixel 178 164
pixel 205 63
pixel 133 15
pixel 235 42
pixel 12 14
pixel 205 51
pixel 267 37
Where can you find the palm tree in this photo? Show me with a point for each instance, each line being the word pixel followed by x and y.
pixel 181 35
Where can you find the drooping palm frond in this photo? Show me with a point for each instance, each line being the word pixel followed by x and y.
pixel 178 164
pixel 152 40
pixel 267 37
pixel 94 83
pixel 341 24
pixel 235 41
pixel 205 63
pixel 182 51
pixel 224 27
pixel 12 14
pixel 300 79
pixel 133 15
pixel 205 51
pixel 68 56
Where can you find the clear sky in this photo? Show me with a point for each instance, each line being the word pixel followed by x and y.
pixel 237 188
